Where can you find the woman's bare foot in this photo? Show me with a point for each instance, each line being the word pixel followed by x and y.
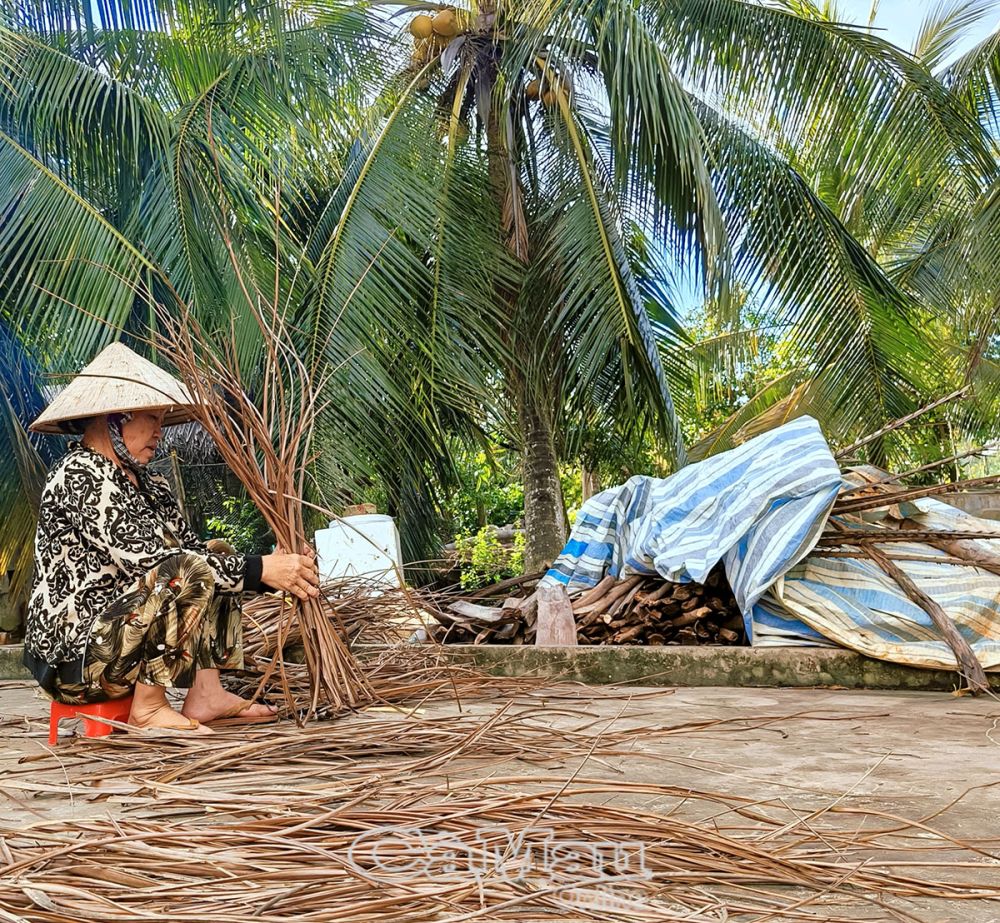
pixel 209 704
pixel 208 700
pixel 150 710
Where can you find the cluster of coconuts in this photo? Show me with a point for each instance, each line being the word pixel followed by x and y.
pixel 548 91
pixel 432 33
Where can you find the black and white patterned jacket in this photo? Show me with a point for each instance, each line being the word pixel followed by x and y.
pixel 97 533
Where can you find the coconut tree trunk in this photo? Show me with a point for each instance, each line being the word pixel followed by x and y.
pixel 545 525
pixel 590 482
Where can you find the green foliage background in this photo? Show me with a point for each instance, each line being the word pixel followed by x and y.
pixel 480 278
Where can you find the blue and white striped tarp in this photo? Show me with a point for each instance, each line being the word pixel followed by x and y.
pixel 759 507
pixel 853 603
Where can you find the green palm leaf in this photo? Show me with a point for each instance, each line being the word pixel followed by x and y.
pixel 597 320
pixel 841 308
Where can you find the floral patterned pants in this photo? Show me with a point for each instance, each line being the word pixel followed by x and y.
pixel 160 633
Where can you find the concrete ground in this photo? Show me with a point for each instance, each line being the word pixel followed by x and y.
pixel 900 753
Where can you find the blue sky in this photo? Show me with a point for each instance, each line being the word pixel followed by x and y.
pixel 899 20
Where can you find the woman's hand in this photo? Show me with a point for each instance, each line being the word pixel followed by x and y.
pixel 292 573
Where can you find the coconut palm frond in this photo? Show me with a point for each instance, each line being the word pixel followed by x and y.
pixel 659 152
pixel 595 320
pixel 608 54
pixel 975 79
pixel 945 25
pixel 67 269
pixel 19 496
pixel 723 368
pixel 726 435
pixel 976 418
pixel 408 263
pixel 953 266
pixel 95 131
pixel 23 457
pixel 76 18
pixel 841 308
pixel 762 60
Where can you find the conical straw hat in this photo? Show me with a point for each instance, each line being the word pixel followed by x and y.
pixel 116 381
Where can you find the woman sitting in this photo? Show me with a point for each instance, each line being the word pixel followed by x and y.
pixel 127 600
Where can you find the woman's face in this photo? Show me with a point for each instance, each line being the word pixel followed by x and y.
pixel 142 434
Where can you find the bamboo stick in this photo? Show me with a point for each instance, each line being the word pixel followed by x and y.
pixel 912 493
pixel 902 421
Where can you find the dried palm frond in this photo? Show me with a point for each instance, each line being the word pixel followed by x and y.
pixel 367 611
pixel 267 445
pixel 386 818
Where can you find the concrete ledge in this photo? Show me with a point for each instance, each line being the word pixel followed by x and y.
pixel 669 666
pixel 10 662
pixel 706 666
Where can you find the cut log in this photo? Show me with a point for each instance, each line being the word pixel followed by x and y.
pixel 664 589
pixel 733 622
pixel 604 603
pixel 638 610
pixel 590 620
pixel 689 618
pixel 624 602
pixel 556 625
pixel 595 593
pixel 472 612
pixel 627 634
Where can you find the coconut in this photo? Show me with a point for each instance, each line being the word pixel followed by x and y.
pixel 533 89
pixel 445 24
pixel 549 97
pixel 421 50
pixel 421 26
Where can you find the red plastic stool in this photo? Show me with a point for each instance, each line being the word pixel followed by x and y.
pixel 114 710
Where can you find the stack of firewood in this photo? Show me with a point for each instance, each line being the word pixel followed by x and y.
pixel 650 610
pixel 636 610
